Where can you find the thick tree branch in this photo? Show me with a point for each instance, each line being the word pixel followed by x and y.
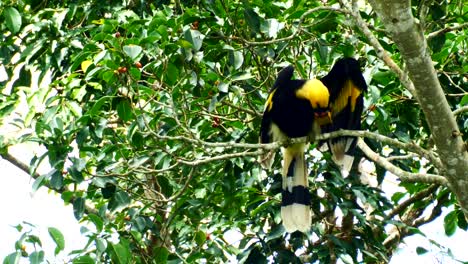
pixel 398 19
pixel 403 175
pixel 412 147
pixel 19 164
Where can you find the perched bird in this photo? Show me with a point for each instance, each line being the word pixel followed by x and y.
pixel 294 108
pixel 346 86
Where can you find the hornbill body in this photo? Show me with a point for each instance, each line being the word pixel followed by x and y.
pixel 294 108
pixel 346 86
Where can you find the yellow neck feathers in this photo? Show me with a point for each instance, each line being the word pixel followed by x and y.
pixel 315 92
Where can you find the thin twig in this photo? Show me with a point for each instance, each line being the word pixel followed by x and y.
pixel 297 32
pixel 445 30
pixel 417 197
pixel 197 162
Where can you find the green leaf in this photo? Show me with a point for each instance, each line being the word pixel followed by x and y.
pixel 200 238
pixel 462 221
pixel 56 180
pixel 119 201
pixel 84 260
pixel 13 258
pixel 253 19
pixel 58 238
pixel 133 51
pixel 135 73
pixel 172 74
pixel 37 257
pixel 464 100
pixel 421 250
pixel 437 43
pixel 121 253
pixel 101 244
pixel 236 59
pixel 194 37
pixel 95 109
pixel 78 207
pixel 108 190
pixel 450 223
pixel 38 182
pixel 161 255
pixel 12 19
pixel 124 110
pixel 97 221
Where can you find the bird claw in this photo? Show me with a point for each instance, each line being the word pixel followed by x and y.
pixel 311 138
pixel 287 142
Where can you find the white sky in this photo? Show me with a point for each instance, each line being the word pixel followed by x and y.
pixel 42 209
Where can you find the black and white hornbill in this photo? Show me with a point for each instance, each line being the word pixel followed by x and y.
pixel 304 108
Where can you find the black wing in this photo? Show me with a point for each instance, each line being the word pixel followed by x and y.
pixel 347 86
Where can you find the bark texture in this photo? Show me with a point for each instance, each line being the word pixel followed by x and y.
pixel 408 36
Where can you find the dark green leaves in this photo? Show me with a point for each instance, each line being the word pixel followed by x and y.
pixel 121 252
pixel 253 19
pixel 78 207
pixel 450 223
pixel 124 110
pixel 421 250
pixel 119 201
pixel 125 102
pixel 195 38
pixel 12 19
pixel 161 255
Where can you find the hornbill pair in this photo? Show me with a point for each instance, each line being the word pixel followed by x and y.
pixel 306 108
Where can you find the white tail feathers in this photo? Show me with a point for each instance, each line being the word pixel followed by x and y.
pixel 295 207
pixel 339 156
pixel 296 217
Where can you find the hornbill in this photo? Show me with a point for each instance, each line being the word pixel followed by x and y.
pixel 346 86
pixel 294 108
pixel 306 108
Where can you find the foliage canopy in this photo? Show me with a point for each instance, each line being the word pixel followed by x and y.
pixel 145 109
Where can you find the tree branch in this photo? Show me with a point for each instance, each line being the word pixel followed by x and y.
pixel 460 110
pixel 403 175
pixel 445 30
pixel 380 51
pixel 197 162
pixel 386 140
pixel 417 197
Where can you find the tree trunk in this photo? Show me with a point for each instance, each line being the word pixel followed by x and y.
pixel 408 36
